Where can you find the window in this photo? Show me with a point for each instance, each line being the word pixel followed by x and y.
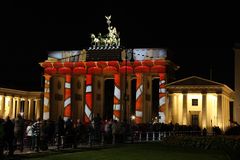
pixel 194 102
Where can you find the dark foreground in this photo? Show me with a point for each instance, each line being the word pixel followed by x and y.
pixel 144 151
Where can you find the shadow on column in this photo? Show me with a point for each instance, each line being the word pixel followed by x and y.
pixel 108 99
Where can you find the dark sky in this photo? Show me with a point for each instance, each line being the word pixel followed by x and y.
pixel 198 36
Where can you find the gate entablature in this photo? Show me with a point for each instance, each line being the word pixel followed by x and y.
pixel 104 67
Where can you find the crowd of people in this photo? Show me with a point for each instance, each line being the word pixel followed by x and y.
pixel 18 134
pixel 14 132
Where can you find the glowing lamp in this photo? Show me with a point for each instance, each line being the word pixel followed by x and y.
pixel 133 117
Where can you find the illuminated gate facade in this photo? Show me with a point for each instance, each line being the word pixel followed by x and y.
pixel 74 83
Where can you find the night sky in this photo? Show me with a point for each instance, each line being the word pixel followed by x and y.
pixel 198 36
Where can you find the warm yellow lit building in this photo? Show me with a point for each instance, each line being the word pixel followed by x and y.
pixel 26 103
pixel 198 101
pixel 237 86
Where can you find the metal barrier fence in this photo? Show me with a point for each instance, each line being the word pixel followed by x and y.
pixel 91 139
pixel 104 139
pixel 150 136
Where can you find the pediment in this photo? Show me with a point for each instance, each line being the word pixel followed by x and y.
pixel 194 80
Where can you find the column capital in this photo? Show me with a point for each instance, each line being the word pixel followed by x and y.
pixel 184 92
pixel 47 75
pixel 14 97
pixel 204 91
pixel 8 95
pixel 170 93
pixel 24 98
pixel 11 97
pixel 219 91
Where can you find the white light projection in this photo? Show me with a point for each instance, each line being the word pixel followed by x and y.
pixel 141 54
